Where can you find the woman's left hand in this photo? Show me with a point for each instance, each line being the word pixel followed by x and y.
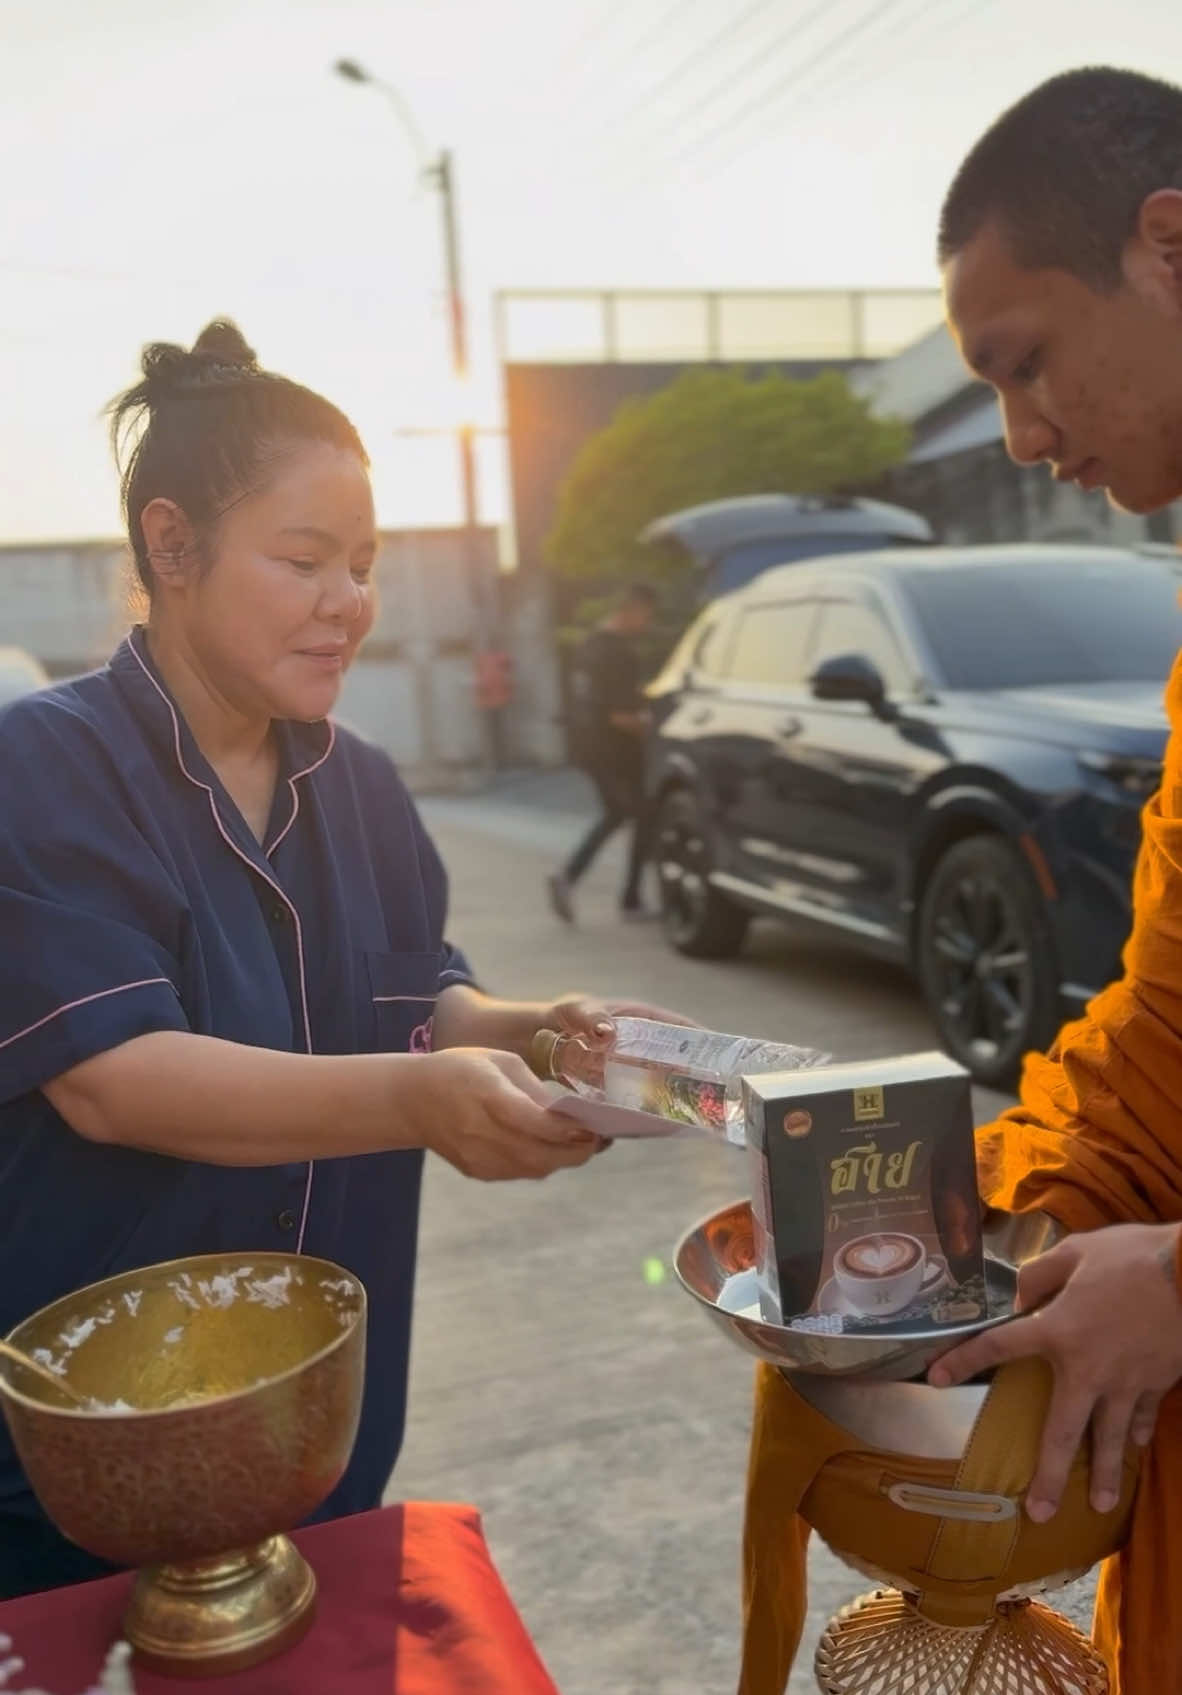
pixel 467 1018
pixel 594 1019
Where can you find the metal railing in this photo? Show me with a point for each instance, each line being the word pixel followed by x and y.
pixel 595 326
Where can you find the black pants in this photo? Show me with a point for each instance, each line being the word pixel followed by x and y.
pixel 35 1556
pixel 620 785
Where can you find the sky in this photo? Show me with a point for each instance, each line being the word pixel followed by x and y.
pixel 164 164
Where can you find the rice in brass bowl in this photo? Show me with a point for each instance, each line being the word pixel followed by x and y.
pixel 226 1393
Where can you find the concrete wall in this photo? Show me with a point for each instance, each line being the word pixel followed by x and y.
pixel 411 690
pixel 66 604
pixel 533 723
pixel 915 381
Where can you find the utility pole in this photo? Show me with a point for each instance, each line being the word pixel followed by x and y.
pixel 439 171
pixel 443 175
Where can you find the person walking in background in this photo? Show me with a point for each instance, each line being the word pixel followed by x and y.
pixel 609 722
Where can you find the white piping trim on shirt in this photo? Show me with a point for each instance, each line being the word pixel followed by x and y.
pixel 85 1000
pixel 295 794
pixel 233 845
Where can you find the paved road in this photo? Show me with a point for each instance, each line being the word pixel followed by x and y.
pixel 596 1418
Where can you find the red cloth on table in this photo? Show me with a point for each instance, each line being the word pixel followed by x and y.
pixel 409 1603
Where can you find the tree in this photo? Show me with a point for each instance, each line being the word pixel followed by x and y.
pixel 709 435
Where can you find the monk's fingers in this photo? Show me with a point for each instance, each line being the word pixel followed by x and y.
pixel 1111 1426
pixel 1072 1402
pixel 1012 1341
pixel 1145 1419
pixel 1039 1279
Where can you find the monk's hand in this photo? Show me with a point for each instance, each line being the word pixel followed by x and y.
pixel 1104 1309
pixel 594 1019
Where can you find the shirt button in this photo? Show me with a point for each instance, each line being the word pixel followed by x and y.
pixel 278 914
pixel 286 1220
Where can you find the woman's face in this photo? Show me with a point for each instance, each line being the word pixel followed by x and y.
pixel 278 616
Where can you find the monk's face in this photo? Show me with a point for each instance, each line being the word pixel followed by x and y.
pixel 1089 381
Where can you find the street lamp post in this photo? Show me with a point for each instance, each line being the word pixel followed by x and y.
pixel 439 171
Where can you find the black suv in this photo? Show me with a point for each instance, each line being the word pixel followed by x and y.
pixel 942 753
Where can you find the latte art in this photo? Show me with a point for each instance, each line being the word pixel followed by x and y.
pixel 879 1256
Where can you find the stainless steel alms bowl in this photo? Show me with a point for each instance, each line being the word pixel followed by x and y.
pixel 715 1263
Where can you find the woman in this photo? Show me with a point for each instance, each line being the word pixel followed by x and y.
pixel 224 963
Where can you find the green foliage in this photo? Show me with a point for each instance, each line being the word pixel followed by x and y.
pixel 709 435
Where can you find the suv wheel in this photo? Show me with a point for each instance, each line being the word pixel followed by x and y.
pixel 696 918
pixel 986 958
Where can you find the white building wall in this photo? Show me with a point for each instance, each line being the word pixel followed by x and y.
pixel 916 380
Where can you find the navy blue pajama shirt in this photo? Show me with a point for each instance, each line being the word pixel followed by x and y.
pixel 134 898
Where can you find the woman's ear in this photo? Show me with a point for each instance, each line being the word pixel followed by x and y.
pixel 168 540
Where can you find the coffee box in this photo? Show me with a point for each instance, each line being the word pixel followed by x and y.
pixel 864 1196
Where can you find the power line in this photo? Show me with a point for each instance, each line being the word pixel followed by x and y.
pixel 773 95
pixel 861 51
pixel 572 72
pixel 705 48
pixel 627 112
pixel 741 71
pixel 950 14
pixel 949 17
pixel 592 32
pixel 652 36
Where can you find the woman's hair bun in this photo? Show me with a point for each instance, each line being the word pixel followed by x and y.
pixel 220 354
pixel 224 342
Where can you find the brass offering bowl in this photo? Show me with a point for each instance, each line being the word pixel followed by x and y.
pixel 226 1392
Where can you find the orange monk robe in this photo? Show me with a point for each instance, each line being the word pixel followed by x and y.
pixel 1096 1139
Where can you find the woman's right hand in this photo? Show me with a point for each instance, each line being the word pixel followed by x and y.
pixel 486 1113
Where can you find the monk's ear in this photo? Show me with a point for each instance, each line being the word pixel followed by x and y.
pixel 1158 241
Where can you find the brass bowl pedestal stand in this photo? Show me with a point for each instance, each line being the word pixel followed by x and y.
pixel 208 1617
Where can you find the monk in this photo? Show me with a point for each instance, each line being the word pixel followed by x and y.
pixel 1061 249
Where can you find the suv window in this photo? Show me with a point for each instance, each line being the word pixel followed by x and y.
pixel 771 642
pixel 741 563
pixel 1073 620
pixel 707 650
pixel 690 653
pixel 850 626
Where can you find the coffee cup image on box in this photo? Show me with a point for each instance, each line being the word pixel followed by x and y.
pixel 882 1273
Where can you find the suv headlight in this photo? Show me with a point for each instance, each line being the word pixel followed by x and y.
pixel 1138 777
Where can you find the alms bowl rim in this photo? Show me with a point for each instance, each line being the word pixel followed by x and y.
pixel 893 1339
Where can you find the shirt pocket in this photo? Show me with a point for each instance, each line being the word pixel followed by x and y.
pixel 403 988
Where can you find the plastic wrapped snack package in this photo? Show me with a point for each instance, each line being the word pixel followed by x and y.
pixel 674 1072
